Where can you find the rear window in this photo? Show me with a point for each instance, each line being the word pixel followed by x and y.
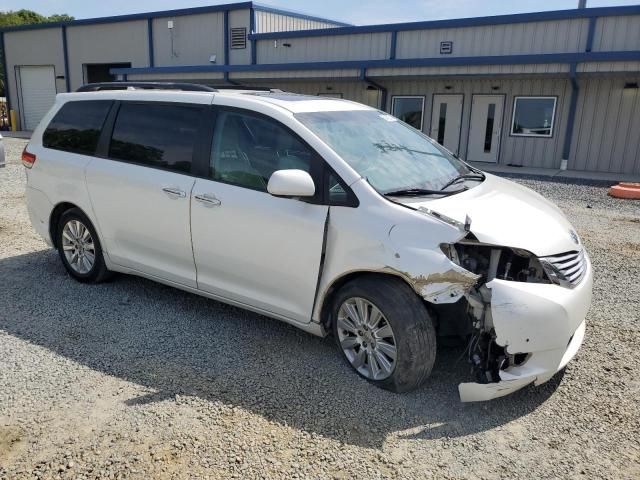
pixel 156 135
pixel 76 127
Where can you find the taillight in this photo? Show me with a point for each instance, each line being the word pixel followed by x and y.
pixel 28 159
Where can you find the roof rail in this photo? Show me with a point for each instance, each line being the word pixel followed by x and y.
pixel 250 89
pixel 186 87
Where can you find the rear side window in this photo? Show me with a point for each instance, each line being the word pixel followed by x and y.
pixel 157 135
pixel 76 127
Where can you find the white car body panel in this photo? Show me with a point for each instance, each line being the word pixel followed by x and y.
pixel 250 249
pixel 534 223
pixel 258 249
pixel 144 228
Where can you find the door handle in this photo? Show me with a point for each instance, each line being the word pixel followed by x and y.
pixel 174 192
pixel 208 199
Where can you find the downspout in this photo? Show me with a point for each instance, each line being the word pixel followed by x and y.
pixel 65 54
pixel 225 74
pixel 575 91
pixel 252 30
pixel 573 104
pixel 152 62
pixel 383 90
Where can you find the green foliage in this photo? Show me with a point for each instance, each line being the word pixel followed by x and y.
pixel 27 17
pixel 24 17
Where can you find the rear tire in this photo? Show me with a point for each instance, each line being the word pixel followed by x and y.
pixel 402 342
pixel 79 248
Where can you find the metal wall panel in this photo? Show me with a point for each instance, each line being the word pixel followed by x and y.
pixel 106 43
pixel 363 46
pixel 276 22
pixel 240 18
pixel 33 47
pixel 617 34
pixel 349 90
pixel 297 74
pixel 525 38
pixel 191 41
pixel 529 152
pixel 195 77
pixel 532 69
pixel 608 67
pixel 606 136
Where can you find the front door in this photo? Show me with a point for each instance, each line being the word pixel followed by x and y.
pixel 249 246
pixel 485 128
pixel 446 119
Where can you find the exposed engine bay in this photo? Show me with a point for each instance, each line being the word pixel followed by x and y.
pixel 490 262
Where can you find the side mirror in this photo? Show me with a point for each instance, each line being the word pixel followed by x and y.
pixel 291 183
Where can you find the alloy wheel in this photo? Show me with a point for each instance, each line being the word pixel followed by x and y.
pixel 78 246
pixel 366 338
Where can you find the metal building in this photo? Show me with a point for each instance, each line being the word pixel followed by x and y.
pixel 551 89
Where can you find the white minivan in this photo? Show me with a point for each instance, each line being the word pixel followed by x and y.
pixel 323 213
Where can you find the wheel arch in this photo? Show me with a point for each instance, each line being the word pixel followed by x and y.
pixel 335 286
pixel 54 219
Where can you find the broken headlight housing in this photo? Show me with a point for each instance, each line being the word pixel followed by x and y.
pixel 491 261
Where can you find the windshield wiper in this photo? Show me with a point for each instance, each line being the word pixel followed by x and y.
pixel 465 176
pixel 417 192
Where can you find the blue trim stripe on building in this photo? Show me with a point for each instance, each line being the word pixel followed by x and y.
pixel 394 45
pixel 226 37
pixel 593 21
pixel 303 16
pixel 65 53
pixel 152 61
pixel 252 29
pixel 463 22
pixel 570 58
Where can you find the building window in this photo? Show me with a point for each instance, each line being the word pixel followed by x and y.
pixel 533 116
pixel 409 109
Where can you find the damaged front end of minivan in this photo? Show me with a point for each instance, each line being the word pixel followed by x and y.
pixel 523 314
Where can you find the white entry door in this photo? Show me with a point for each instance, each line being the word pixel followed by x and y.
pixel 485 128
pixel 446 119
pixel 37 93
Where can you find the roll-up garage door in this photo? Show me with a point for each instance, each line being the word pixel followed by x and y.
pixel 37 93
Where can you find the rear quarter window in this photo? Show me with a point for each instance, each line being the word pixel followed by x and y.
pixel 77 126
pixel 156 135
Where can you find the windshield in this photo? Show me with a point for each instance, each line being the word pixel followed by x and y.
pixel 390 154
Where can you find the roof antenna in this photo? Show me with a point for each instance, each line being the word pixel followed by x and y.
pixel 467 224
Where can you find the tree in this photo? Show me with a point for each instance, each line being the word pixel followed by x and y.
pixel 24 17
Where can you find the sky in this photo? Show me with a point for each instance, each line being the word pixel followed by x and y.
pixel 359 12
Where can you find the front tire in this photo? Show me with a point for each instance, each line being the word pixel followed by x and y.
pixel 385 332
pixel 79 248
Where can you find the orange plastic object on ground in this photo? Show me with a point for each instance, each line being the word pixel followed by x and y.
pixel 626 190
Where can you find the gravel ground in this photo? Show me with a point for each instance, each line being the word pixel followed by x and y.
pixel 131 379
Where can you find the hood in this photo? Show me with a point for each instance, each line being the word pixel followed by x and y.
pixel 507 214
